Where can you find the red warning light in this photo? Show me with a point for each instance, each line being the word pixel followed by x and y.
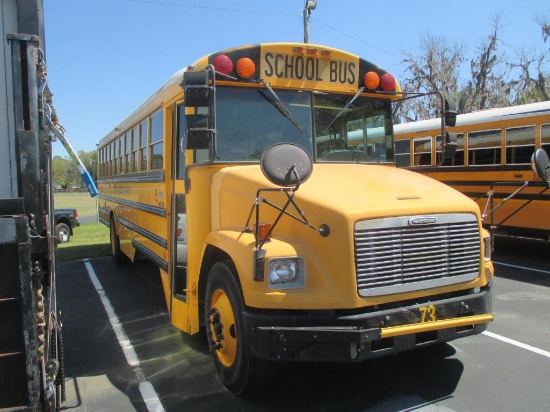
pixel 223 64
pixel 387 82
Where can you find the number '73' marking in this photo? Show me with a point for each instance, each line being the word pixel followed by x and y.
pixel 428 313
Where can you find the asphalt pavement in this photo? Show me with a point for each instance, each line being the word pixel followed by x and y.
pixel 505 369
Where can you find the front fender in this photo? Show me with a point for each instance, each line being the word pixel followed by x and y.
pixel 239 246
pixel 322 290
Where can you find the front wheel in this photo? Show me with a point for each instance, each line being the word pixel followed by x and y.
pixel 238 371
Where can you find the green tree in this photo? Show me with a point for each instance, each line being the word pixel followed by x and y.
pixel 65 170
pixel 65 173
pixel 89 160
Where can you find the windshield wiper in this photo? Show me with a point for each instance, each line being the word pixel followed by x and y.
pixel 343 109
pixel 280 105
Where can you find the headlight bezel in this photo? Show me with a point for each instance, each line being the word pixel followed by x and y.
pixel 276 278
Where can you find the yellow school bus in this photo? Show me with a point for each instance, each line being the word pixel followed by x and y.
pixel 492 164
pixel 261 181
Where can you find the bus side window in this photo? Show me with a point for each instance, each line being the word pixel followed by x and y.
pixel 422 151
pixel 484 147
pixel 520 144
pixel 156 148
pixel 402 153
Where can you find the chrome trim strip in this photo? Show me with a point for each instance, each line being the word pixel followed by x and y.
pixel 145 233
pixel 150 255
pixel 154 210
pixel 409 287
pixel 403 221
pixel 155 177
pixel 105 222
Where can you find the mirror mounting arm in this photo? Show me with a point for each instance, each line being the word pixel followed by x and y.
pixel 448 118
pixel 259 253
pixel 287 166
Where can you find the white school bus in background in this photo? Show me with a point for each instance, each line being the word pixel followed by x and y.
pixel 492 164
pixel 261 181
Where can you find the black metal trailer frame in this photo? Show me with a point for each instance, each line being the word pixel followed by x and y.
pixel 31 346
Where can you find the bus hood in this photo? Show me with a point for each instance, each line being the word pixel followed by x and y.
pixel 352 191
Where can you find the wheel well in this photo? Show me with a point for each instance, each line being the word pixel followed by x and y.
pixel 65 221
pixel 113 218
pixel 212 255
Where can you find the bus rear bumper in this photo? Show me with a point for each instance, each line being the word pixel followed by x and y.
pixel 356 337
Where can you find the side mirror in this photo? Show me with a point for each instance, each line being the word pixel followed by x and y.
pixel 541 165
pixel 199 92
pixel 286 164
pixel 196 88
pixel 197 131
pixel 449 145
pixel 450 114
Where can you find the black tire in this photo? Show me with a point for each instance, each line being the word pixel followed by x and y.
pixel 62 233
pixel 117 255
pixel 238 371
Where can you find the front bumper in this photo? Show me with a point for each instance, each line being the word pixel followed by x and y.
pixel 350 336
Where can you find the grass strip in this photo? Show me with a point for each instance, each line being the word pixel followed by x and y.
pixel 89 240
pixel 84 204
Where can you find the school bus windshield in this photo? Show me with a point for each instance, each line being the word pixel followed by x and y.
pixel 331 129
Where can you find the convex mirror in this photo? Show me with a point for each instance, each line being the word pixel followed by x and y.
pixel 286 164
pixel 540 164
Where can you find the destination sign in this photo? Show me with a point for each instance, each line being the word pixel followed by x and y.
pixel 299 70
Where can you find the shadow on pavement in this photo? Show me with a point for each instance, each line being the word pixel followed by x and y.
pixel 182 372
pixel 523 253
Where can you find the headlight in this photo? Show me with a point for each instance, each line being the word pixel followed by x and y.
pixel 487 247
pixel 287 273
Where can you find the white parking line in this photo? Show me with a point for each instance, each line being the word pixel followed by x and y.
pixel 518 344
pixel 522 267
pixel 146 389
pixel 515 342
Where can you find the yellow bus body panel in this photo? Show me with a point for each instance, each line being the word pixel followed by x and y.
pixel 306 67
pixel 519 215
pixel 136 197
pixel 324 198
pixel 180 318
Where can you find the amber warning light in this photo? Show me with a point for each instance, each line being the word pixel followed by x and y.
pixel 263 232
pixel 372 80
pixel 246 68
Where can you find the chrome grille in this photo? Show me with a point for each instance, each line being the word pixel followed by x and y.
pixel 402 254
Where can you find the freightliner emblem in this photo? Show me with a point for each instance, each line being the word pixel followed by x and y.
pixel 420 221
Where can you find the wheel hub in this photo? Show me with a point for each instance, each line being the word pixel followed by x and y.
pixel 216 329
pixel 222 335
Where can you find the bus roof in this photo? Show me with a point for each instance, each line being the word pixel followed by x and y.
pixel 481 116
pixel 169 89
pixel 346 74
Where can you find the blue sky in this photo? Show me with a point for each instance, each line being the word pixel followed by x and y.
pixel 105 57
